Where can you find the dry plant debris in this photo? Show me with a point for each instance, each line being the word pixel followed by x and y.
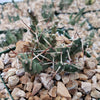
pixel 51 52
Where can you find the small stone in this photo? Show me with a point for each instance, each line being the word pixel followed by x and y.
pixel 88 97
pixel 28 86
pixel 2 86
pixel 17 93
pixel 77 96
pixel 31 98
pixel 43 92
pixel 72 86
pixel 95 94
pixel 91 63
pixel 46 80
pixel 86 86
pixel 62 90
pixel 63 98
pixel 36 98
pixel 36 88
pixel 58 98
pixel 53 91
pixel 97 76
pixel 45 97
pixel 13 80
pixel 1 65
pixel 80 63
pixel 6 59
pixel 97 70
pixel 28 94
pixel 3 93
pixel 94 79
pixel 19 86
pixel 22 46
pixel 10 72
pixel 24 79
pixel 89 72
pixel 57 77
pixel 20 72
pixel 96 86
pixel 74 76
pixel 83 77
pixel 65 79
pixel 15 63
pixel 98 66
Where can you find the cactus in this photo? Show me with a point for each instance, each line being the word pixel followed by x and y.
pixel 31 66
pixel 11 36
pixel 76 47
pixel 66 67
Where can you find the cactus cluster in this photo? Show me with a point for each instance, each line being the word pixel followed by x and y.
pixel 46 54
pixel 11 36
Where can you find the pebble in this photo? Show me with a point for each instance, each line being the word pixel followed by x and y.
pixel 96 86
pixel 24 79
pixel 28 86
pixel 83 77
pixel 45 97
pixel 77 96
pixel 58 98
pixel 2 86
pixel 20 72
pixel 88 97
pixel 65 79
pixel 94 79
pixel 17 93
pixel 63 98
pixel 95 94
pixel 6 59
pixel 36 88
pixel 53 91
pixel 13 80
pixel 97 70
pixel 97 76
pixel 86 86
pixel 74 76
pixel 43 92
pixel 31 98
pixel 28 94
pixel 1 65
pixel 80 63
pixel 10 72
pixel 57 77
pixel 89 72
pixel 98 66
pixel 46 80
pixel 62 91
pixel 36 98
pixel 72 86
pixel 91 63
pixel 22 46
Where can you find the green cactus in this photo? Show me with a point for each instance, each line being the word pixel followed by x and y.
pixel 31 66
pixel 66 67
pixel 11 36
